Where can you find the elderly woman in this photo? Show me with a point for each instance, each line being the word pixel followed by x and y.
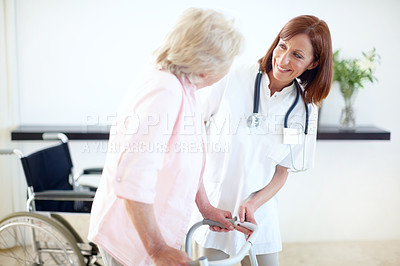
pixel 284 90
pixel 156 149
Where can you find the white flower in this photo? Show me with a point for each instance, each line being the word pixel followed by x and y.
pixel 366 64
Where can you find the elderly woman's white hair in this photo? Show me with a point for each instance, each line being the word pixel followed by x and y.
pixel 202 42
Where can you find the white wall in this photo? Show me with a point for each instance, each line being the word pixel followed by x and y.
pixel 10 175
pixel 77 57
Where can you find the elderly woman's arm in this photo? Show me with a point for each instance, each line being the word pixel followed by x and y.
pixel 210 212
pixel 142 216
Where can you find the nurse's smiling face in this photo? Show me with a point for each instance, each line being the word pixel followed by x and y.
pixel 291 58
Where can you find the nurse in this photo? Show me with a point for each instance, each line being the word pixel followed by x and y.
pixel 251 164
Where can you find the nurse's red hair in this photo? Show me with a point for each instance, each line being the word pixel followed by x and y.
pixel 316 82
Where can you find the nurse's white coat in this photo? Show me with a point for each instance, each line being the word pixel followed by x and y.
pixel 242 160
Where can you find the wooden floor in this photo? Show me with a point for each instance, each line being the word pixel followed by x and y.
pixel 365 253
pixel 361 253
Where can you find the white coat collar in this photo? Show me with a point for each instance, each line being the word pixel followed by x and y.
pixel 265 83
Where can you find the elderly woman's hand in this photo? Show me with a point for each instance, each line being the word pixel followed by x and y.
pixel 218 215
pixel 169 256
pixel 212 213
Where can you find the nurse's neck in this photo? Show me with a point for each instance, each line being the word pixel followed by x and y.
pixel 276 85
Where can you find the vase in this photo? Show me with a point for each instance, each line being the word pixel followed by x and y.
pixel 347 116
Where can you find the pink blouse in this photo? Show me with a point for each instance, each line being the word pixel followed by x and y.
pixel 155 156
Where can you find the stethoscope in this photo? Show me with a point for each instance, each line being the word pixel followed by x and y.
pixel 254 119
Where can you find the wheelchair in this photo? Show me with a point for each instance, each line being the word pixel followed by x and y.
pixel 42 236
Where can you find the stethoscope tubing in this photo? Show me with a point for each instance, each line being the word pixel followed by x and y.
pixel 296 100
pixel 256 101
pixel 257 85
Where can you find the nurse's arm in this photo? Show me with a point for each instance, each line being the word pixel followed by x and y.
pixel 210 212
pixel 142 217
pixel 258 198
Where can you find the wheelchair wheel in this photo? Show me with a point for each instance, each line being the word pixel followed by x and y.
pixel 34 239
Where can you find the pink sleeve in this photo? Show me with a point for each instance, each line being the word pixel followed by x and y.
pixel 145 140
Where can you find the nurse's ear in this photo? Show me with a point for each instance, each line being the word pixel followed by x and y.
pixel 313 65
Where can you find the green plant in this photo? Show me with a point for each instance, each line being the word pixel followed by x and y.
pixel 353 73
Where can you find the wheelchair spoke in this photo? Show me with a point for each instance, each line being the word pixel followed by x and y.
pixel 32 239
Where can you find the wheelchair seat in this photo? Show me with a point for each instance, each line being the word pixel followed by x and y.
pixel 46 238
pixel 52 186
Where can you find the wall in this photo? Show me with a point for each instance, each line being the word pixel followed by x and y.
pixel 10 178
pixel 76 59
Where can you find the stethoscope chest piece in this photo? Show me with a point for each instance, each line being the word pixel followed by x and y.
pixel 254 120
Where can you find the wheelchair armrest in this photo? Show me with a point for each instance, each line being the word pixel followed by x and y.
pixel 87 172
pixel 92 171
pixel 66 195
pixel 63 195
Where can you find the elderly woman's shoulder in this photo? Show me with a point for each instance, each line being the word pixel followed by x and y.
pixel 165 78
pixel 160 81
pixel 152 81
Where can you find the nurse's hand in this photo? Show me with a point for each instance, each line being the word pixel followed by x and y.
pixel 246 214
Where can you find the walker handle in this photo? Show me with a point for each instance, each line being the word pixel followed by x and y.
pixel 214 223
pixel 233 221
pixel 246 249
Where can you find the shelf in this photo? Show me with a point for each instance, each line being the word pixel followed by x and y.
pixel 102 133
pixel 73 132
pixel 360 133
